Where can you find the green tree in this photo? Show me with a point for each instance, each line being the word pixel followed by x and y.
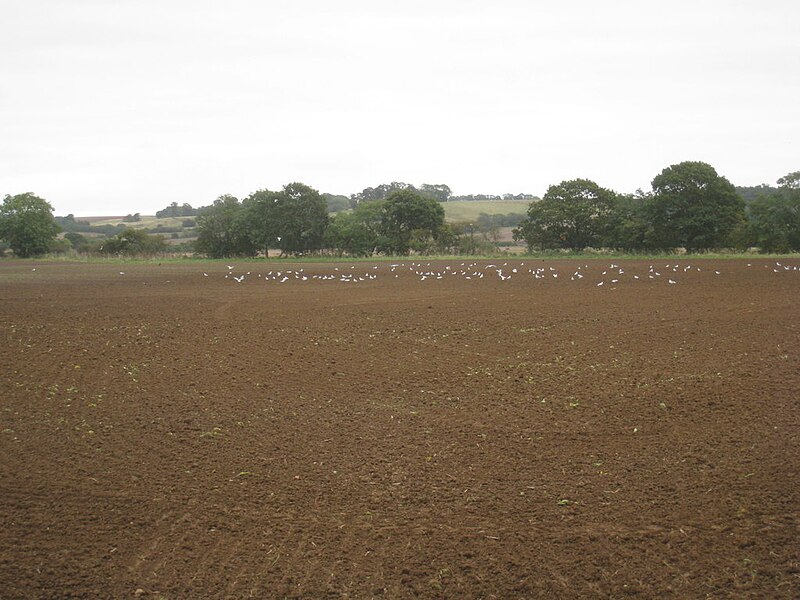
pixel 294 219
pixel 380 192
pixel 790 181
pixel 336 203
pixel 534 230
pixel 750 193
pixel 406 215
pixel 628 223
pixel 347 234
pixel 774 218
pixel 263 218
pixel 302 217
pixel 27 224
pixel 572 214
pixel 224 231
pixel 693 207
pixel 439 192
pixel 357 233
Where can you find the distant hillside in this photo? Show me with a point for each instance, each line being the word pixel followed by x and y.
pixel 99 219
pixel 176 231
pixel 463 211
pixel 144 222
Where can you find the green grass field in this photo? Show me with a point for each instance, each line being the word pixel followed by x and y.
pixel 461 211
pixel 146 222
pixel 464 211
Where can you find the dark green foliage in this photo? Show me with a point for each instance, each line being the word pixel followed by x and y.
pixel 27 224
pixel 335 203
pixel 224 230
pixel 173 210
pixel 302 217
pixel 134 218
pixel 693 208
pixel 571 215
pixel 294 219
pixel 262 219
pixel 628 226
pixel 69 223
pixel 132 242
pixel 774 218
pixel 750 193
pixel 380 192
pixel 348 235
pixel 409 216
pixel 439 192
pixel 357 233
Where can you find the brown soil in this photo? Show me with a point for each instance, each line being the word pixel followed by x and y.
pixel 167 434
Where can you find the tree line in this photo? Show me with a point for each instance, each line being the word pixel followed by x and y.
pixel 295 221
pixel 689 206
pixel 337 203
pixel 439 192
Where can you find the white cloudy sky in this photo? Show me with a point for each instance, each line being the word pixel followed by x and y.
pixel 117 106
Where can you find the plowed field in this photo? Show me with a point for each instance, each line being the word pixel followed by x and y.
pixel 400 430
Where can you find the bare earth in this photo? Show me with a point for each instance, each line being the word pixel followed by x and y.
pixel 167 434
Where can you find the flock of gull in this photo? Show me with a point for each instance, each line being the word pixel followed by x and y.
pixel 600 274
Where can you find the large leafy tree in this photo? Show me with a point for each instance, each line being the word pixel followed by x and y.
pixel 224 230
pixel 694 207
pixel 356 233
pixel 27 224
pixel 294 219
pixel 406 215
pixel 774 218
pixel 302 216
pixel 262 218
pixel 572 214
pixel 628 225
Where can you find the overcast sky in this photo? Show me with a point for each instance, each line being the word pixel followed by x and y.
pixel 116 106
